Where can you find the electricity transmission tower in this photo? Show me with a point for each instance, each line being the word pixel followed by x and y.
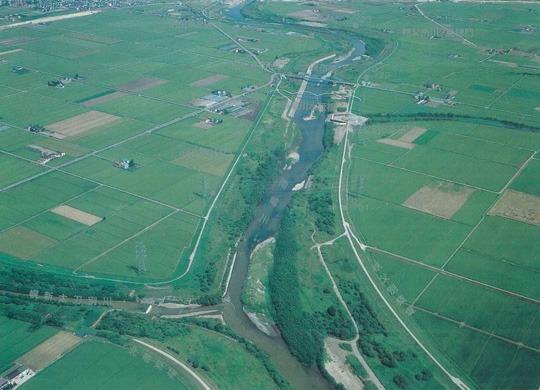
pixel 141 257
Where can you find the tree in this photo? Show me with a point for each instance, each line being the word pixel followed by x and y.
pixel 400 382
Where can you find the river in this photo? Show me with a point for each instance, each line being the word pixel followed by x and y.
pixel 268 216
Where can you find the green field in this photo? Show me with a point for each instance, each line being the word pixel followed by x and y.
pixel 17 338
pixel 97 365
pixel 107 247
pixel 227 362
pixel 145 70
pixel 462 277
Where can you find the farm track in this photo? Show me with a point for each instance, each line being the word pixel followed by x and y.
pixel 371 375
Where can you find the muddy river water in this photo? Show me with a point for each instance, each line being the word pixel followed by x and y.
pixel 270 211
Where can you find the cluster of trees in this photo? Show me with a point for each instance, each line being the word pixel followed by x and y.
pixel 373 334
pixel 334 322
pixel 400 382
pixel 434 116
pixel 131 324
pixel 38 312
pixel 374 46
pixel 209 300
pixel 361 310
pixel 254 180
pixel 21 280
pixel 206 279
pixel 115 324
pixel 304 341
pixel 425 375
pixel 253 177
pixel 322 205
pixel 303 332
pixel 328 136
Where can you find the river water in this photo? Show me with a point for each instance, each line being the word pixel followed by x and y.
pixel 268 216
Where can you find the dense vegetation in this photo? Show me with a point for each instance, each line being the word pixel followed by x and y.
pixel 303 332
pixel 304 342
pixel 328 136
pixel 373 341
pixel 320 200
pixel 322 205
pixel 124 323
pixel 250 347
pixel 440 116
pixel 116 324
pixel 253 175
pixel 41 312
pixel 22 280
pixel 374 46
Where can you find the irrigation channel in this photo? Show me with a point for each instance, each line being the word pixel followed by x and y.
pixel 268 216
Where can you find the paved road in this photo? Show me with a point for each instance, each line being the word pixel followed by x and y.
pixel 351 236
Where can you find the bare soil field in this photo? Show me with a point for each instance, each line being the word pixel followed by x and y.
pixel 103 99
pixel 281 62
pixel 337 366
pixel 250 112
pixel 432 104
pixel 395 142
pixel 76 215
pixel 49 351
pixel 439 199
pixel 412 134
pixel 81 123
pixel 208 80
pixel 141 84
pixel 518 206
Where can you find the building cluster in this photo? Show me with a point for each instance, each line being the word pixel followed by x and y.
pixel 433 87
pixel 57 5
pixel 344 118
pixel 211 121
pixel 16 377
pixel 231 107
pixel 35 128
pixel 56 84
pixel 492 52
pixel 46 154
pixel 124 163
pixel 246 39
